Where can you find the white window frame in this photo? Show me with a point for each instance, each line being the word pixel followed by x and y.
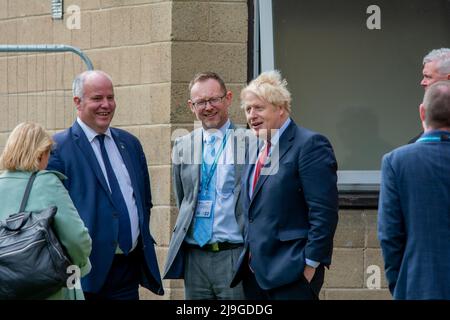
pixel 348 180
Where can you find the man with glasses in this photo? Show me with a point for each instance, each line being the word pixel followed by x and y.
pixel 207 238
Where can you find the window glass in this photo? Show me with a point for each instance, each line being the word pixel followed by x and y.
pixel 359 87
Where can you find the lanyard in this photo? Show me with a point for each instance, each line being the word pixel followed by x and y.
pixel 435 138
pixel 429 139
pixel 208 176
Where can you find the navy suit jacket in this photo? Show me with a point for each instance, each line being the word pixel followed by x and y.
pixel 293 212
pixel 414 219
pixel 74 157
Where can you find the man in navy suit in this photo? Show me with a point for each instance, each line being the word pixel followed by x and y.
pixel 290 199
pixel 414 206
pixel 108 182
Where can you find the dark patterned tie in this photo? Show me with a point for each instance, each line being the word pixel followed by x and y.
pixel 119 202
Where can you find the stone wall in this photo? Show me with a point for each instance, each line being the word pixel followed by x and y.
pixel 205 35
pixel 356 248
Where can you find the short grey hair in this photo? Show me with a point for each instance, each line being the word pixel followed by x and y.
pixel 78 82
pixel 442 58
pixel 436 102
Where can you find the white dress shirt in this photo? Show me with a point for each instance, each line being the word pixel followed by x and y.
pixel 225 226
pixel 122 175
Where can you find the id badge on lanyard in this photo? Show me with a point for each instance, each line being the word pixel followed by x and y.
pixel 206 199
pixel 204 208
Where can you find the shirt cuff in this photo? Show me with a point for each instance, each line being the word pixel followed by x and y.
pixel 312 263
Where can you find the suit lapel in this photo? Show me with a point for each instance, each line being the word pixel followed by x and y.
pixel 247 173
pixel 196 148
pixel 82 142
pixel 238 147
pixel 249 168
pixel 238 168
pixel 278 152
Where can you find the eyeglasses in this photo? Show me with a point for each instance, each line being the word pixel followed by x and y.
pixel 213 101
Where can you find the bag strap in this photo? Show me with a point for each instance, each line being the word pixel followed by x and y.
pixel 27 192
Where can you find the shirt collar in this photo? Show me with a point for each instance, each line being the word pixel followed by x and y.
pixel 210 132
pixel 276 137
pixel 89 132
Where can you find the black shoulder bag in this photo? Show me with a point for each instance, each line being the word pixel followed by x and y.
pixel 33 264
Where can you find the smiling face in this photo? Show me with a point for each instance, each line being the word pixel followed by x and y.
pixel 212 116
pixel 263 116
pixel 96 107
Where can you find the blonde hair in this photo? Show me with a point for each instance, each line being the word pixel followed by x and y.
pixel 269 86
pixel 25 146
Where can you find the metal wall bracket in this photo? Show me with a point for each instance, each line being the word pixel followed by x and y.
pixel 57 9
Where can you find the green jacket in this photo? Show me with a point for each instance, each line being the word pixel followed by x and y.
pixel 47 191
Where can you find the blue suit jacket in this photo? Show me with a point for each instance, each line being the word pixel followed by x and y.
pixel 293 212
pixel 414 219
pixel 74 157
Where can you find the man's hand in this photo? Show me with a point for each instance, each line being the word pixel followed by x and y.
pixel 309 272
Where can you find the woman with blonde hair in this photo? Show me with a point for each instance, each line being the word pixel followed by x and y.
pixel 27 150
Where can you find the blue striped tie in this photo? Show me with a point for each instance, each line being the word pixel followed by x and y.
pixel 203 226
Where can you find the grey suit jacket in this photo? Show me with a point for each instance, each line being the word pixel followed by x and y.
pixel 187 159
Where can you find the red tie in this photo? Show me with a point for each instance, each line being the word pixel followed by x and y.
pixel 260 163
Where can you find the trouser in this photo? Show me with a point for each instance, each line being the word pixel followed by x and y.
pixel 122 281
pixel 297 290
pixel 208 274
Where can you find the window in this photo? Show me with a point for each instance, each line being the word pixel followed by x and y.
pixel 359 87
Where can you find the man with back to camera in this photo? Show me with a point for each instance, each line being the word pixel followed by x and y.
pixel 108 181
pixel 413 214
